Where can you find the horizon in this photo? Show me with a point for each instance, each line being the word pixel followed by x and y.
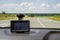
pixel 31 13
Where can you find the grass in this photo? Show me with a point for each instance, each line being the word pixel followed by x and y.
pixel 7 16
pixel 13 16
pixel 56 17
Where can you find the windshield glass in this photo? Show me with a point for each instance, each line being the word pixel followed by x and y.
pixel 41 13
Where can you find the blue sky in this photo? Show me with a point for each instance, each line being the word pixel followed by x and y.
pixel 30 6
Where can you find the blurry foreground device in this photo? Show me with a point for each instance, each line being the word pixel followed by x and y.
pixel 20 26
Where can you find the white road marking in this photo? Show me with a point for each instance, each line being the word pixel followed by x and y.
pixel 41 23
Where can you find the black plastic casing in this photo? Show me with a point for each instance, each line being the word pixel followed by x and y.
pixel 15 21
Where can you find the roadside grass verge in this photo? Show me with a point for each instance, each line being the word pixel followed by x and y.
pixel 13 16
pixel 56 17
pixel 7 16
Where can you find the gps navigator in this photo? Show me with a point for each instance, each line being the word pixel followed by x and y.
pixel 20 26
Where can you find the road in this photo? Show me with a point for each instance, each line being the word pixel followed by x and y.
pixel 5 23
pixel 35 23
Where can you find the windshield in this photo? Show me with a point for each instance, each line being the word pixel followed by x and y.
pixel 41 13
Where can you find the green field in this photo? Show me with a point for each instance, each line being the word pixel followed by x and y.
pixel 52 17
pixel 13 16
pixel 7 16
pixel 55 17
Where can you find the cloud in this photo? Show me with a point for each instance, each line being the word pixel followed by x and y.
pixel 58 5
pixel 22 7
pixel 44 5
pixel 56 8
pixel 26 7
pixel 9 5
pixel 25 3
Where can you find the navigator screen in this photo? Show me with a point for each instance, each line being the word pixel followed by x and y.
pixel 20 25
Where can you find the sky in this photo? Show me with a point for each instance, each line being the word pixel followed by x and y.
pixel 30 6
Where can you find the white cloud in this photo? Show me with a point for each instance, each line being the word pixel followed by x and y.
pixel 22 7
pixel 29 7
pixel 9 7
pixel 44 5
pixel 25 3
pixel 58 5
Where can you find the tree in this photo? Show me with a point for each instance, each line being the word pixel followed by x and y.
pixel 3 12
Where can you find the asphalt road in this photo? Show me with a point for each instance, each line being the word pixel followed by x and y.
pixel 35 23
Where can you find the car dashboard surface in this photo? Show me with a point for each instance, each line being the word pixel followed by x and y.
pixel 34 34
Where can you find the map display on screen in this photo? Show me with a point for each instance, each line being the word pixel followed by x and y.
pixel 21 26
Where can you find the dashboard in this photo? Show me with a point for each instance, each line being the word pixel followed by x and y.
pixel 34 34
